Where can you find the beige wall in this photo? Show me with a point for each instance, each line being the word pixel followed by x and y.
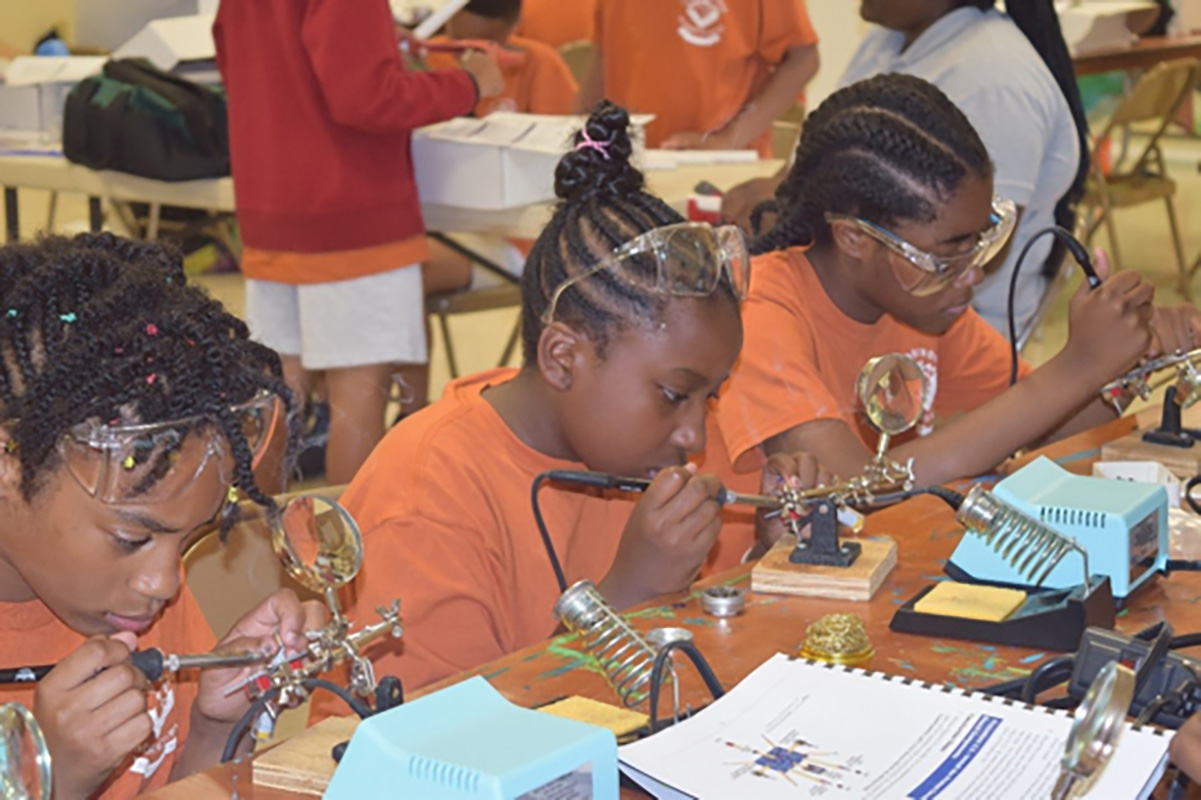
pixel 840 29
pixel 22 22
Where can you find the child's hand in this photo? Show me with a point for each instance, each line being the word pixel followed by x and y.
pixel 485 70
pixel 92 710
pixel 1175 329
pixel 738 203
pixel 1109 327
pixel 697 141
pixel 280 614
pixel 798 470
pixel 671 531
pixel 1185 748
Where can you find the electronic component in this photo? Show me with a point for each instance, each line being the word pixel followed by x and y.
pixel 1121 526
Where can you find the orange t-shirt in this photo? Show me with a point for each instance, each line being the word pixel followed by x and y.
pixel 801 357
pixel 557 22
pixel 695 64
pixel 338 265
pixel 540 83
pixel 444 506
pixel 30 634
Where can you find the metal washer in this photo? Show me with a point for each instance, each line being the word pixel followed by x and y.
pixel 723 601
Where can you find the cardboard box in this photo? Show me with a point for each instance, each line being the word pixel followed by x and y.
pixel 1142 472
pixel 35 90
pixel 168 43
pixel 502 161
pixel 1103 24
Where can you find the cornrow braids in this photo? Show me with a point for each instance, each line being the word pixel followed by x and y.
pixel 603 204
pixel 884 149
pixel 99 328
pixel 1039 22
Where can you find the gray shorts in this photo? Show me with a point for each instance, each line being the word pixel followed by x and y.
pixel 377 319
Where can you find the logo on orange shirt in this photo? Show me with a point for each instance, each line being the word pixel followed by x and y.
pixel 164 739
pixel 700 24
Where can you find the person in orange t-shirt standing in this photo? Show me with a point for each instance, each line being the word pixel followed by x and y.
pixel 715 74
pixel 557 22
pixel 133 405
pixel 886 221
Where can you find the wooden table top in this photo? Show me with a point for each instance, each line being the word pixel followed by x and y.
pixel 1144 53
pixel 926 533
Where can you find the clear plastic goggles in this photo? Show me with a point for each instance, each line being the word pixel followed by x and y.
pixel 150 464
pixel 937 272
pixel 689 257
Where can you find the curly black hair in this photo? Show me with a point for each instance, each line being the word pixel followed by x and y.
pixel 100 328
pixel 883 149
pixel 603 205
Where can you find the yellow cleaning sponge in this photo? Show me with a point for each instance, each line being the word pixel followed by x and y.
pixel 967 600
pixel 582 709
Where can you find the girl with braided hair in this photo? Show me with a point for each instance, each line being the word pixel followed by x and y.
pixel 885 222
pixel 131 408
pixel 1011 75
pixel 631 324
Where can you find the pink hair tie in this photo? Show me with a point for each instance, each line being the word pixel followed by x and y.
pixel 592 144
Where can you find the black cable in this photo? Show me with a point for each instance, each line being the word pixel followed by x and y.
pixel 1066 703
pixel 657 674
pixel 240 728
pixel 242 725
pixel 546 542
pixel 1079 252
pixel 1004 689
pixel 1188 493
pixel 1186 640
pixel 949 496
pixel 1038 680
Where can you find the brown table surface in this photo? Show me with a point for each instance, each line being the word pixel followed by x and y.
pixel 926 534
pixel 1144 53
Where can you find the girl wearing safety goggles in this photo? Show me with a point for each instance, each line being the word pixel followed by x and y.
pixel 887 221
pixel 131 405
pixel 631 324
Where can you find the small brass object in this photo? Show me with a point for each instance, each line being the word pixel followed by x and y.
pixel 838 639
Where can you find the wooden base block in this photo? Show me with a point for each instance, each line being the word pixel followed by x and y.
pixel 1182 462
pixel 775 574
pixel 303 764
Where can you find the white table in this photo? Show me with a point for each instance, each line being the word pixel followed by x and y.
pixel 55 173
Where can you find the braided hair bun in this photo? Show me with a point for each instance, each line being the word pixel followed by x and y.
pixel 600 160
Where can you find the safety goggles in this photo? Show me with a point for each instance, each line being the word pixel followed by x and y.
pixel 150 464
pixel 689 260
pixel 937 272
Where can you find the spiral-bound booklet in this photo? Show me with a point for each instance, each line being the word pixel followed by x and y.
pixel 796 728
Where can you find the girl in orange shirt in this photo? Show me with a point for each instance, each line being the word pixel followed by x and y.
pixel 885 223
pixel 130 404
pixel 630 325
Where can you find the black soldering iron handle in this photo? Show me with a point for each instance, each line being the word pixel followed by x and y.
pixel 150 662
pixel 603 480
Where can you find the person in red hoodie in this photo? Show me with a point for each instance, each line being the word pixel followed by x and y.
pixel 321 110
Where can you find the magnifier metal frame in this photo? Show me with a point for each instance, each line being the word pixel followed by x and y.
pixel 13 717
pixel 1096 727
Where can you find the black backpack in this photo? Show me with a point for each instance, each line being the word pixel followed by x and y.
pixel 137 119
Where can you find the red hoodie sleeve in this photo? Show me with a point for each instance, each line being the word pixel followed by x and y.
pixel 353 51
